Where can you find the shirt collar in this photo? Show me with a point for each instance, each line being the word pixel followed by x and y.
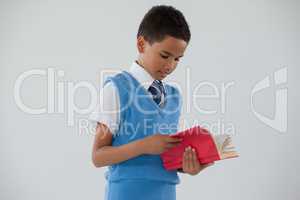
pixel 141 75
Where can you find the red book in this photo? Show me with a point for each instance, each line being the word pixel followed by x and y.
pixel 209 148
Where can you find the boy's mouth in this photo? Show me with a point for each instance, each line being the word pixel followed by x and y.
pixel 162 74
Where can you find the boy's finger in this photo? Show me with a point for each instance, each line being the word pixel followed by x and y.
pixel 173 139
pixel 184 162
pixel 191 158
pixel 194 158
pixel 171 145
pixel 188 159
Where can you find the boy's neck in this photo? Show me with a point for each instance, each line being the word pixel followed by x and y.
pixel 139 61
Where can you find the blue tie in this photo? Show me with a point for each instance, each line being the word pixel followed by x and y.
pixel 157 90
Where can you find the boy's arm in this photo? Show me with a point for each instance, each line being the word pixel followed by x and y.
pixel 104 154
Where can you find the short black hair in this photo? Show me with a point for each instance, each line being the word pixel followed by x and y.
pixel 161 21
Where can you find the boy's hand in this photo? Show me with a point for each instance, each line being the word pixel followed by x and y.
pixel 158 143
pixel 190 163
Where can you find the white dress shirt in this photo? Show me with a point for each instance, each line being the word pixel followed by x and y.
pixel 108 109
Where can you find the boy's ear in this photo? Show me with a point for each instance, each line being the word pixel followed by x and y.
pixel 141 42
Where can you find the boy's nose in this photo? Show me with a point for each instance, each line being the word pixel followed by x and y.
pixel 169 66
pixel 168 69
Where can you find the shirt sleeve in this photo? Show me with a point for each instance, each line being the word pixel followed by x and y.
pixel 108 108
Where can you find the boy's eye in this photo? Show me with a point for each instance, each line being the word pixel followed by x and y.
pixel 166 57
pixel 163 56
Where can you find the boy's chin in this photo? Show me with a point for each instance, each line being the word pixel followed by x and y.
pixel 161 76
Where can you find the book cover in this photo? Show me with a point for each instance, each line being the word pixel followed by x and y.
pixel 209 148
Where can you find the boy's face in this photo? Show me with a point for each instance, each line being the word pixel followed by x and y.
pixel 161 58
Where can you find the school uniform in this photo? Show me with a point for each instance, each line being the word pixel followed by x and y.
pixel 145 107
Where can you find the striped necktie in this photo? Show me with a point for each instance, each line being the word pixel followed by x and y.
pixel 157 90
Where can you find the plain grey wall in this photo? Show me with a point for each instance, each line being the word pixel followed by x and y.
pixel 43 157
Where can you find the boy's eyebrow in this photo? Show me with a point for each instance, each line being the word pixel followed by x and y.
pixel 170 54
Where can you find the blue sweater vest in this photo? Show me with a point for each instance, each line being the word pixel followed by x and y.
pixel 140 117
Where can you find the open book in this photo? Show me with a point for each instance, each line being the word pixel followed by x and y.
pixel 209 148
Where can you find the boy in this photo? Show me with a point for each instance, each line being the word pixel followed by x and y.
pixel 131 139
